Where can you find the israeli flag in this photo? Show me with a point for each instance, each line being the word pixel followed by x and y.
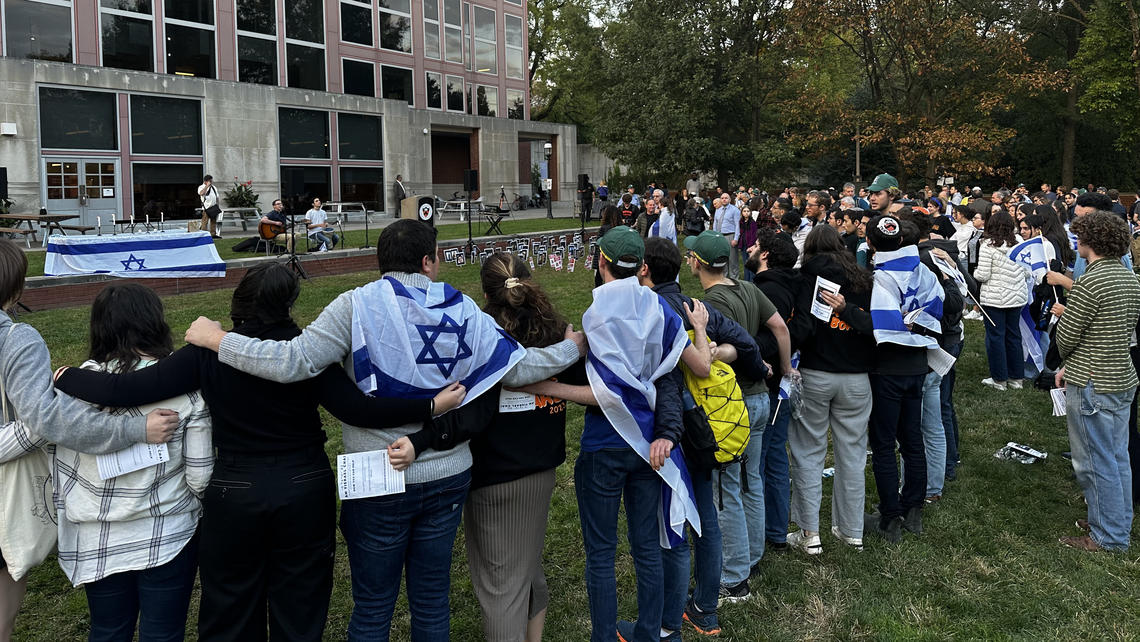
pixel 410 342
pixel 635 338
pixel 665 226
pixel 786 380
pixel 905 293
pixel 168 255
pixel 1034 256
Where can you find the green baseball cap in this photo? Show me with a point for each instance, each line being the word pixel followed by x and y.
pixel 882 182
pixel 710 248
pixel 622 241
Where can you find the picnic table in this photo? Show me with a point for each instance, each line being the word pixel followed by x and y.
pixel 49 221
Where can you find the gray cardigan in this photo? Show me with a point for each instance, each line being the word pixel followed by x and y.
pixel 53 416
pixel 328 340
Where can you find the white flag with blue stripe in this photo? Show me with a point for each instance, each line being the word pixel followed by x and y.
pixel 162 255
pixel 635 338
pixel 1034 255
pixel 906 293
pixel 411 342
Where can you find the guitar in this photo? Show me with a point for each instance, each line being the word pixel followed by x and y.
pixel 269 231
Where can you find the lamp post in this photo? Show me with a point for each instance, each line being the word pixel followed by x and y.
pixel 547 151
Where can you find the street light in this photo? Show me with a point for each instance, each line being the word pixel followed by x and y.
pixel 547 151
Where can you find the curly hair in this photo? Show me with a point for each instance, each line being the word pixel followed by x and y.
pixel 518 304
pixel 999 230
pixel 1104 232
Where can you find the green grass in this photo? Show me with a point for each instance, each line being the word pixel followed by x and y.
pixel 988 567
pixel 355 238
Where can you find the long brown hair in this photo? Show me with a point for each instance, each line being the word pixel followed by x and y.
pixel 823 239
pixel 999 230
pixel 518 304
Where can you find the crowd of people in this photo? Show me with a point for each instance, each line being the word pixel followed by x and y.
pixel 821 313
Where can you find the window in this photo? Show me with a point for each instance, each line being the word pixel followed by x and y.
pixel 513 35
pixel 358 137
pixel 38 30
pixel 488 100
pixel 359 78
pixel 454 93
pixel 257 16
pixel 170 126
pixel 306 182
pixel 516 104
pixel 431 29
pixel 514 2
pixel 257 60
pixel 74 119
pixel 200 11
pixel 486 60
pixel 356 23
pixel 396 25
pixel 363 185
pixel 303 133
pixel 173 187
pixel 434 90
pixel 304 20
pixel 62 180
pixel 127 39
pixel 305 67
pixel 189 51
pixel 396 83
pixel 452 31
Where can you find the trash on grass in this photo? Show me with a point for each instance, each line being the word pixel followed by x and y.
pixel 1020 452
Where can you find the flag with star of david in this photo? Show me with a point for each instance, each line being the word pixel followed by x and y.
pixel 905 293
pixel 169 255
pixel 1035 255
pixel 635 337
pixel 411 342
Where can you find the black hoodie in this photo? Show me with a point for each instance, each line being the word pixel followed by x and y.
pixel 845 343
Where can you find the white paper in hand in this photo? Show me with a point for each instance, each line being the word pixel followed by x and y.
pixel 1058 396
pixel 820 308
pixel 130 459
pixel 367 474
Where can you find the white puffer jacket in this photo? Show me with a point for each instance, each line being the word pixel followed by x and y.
pixel 1002 281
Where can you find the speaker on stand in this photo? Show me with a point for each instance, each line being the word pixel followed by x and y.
pixel 470 184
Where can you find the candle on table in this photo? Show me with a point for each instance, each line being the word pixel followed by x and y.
pixel 99 225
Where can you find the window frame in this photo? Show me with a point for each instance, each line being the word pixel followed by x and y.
pixel 138 16
pixel 130 125
pixel 191 25
pixel 507 94
pixel 375 78
pixel 438 22
pixel 496 105
pixel 307 159
pixel 310 45
pixel 341 160
pixel 442 90
pixel 55 3
pixel 411 70
pixel 371 15
pixel 71 150
pixel 462 93
pixel 277 48
pixel 476 40
pixel 508 47
pixel 380 11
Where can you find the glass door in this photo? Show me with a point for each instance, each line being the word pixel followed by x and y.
pixel 86 188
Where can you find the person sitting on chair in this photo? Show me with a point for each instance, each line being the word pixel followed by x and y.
pixel 319 229
pixel 274 226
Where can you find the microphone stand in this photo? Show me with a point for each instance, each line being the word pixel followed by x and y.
pixel 293 261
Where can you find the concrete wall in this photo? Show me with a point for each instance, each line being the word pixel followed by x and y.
pixel 593 162
pixel 240 134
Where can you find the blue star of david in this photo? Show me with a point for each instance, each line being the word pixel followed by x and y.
pixel 429 355
pixel 910 295
pixel 1025 256
pixel 133 259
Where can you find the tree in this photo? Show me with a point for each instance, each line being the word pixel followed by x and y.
pixel 1108 63
pixel 563 48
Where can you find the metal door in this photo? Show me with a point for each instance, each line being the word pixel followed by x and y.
pixel 85 187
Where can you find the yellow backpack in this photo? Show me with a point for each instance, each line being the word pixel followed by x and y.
pixel 720 397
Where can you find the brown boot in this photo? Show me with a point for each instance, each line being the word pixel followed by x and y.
pixel 214 230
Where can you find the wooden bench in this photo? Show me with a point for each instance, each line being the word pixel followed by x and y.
pixel 82 229
pixel 22 231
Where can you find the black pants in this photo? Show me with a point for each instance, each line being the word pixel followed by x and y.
pixel 896 416
pixel 267 544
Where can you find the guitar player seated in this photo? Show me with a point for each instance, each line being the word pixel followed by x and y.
pixel 274 225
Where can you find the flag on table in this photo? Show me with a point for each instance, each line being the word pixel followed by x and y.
pixel 167 255
pixel 410 342
pixel 635 338
pixel 1034 256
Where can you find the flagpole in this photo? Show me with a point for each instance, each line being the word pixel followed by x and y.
pixel 980 308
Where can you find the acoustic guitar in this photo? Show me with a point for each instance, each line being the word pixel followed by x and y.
pixel 269 231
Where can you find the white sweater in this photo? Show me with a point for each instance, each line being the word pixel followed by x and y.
pixel 1003 283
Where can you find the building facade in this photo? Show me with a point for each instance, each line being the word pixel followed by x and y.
pixel 117 107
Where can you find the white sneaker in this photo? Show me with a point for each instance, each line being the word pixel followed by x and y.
pixel 853 542
pixel 973 315
pixel 810 545
pixel 996 385
pixel 1014 383
pixel 323 248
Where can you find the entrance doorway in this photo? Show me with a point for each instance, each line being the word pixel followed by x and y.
pixel 86 187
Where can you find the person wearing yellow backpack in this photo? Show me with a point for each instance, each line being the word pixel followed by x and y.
pixel 735 345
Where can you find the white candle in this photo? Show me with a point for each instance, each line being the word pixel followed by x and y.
pixel 148 222
pixel 132 218
pixel 99 226
pixel 161 219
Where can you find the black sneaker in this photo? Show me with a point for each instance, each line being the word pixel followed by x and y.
pixel 730 594
pixel 704 623
pixel 873 525
pixel 912 520
pixel 775 546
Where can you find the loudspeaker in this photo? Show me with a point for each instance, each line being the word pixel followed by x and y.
pixel 470 180
pixel 583 181
pixel 4 182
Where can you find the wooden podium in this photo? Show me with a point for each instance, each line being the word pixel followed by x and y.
pixel 419 208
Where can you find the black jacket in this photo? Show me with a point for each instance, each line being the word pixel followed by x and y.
pixel 846 343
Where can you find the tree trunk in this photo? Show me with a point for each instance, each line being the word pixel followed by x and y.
pixel 1069 138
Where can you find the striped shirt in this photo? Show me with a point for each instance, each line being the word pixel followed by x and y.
pixel 1097 327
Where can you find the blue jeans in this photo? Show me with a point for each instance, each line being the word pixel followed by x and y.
pixel 740 511
pixel 775 472
pixel 326 237
pixel 411 534
pixel 933 433
pixel 1098 436
pixel 706 561
pixel 1003 343
pixel 601 480
pixel 160 595
pixel 949 417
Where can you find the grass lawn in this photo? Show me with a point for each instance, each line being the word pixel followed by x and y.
pixel 355 238
pixel 988 567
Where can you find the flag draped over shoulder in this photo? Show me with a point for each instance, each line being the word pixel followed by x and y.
pixel 635 338
pixel 908 293
pixel 1034 254
pixel 410 342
